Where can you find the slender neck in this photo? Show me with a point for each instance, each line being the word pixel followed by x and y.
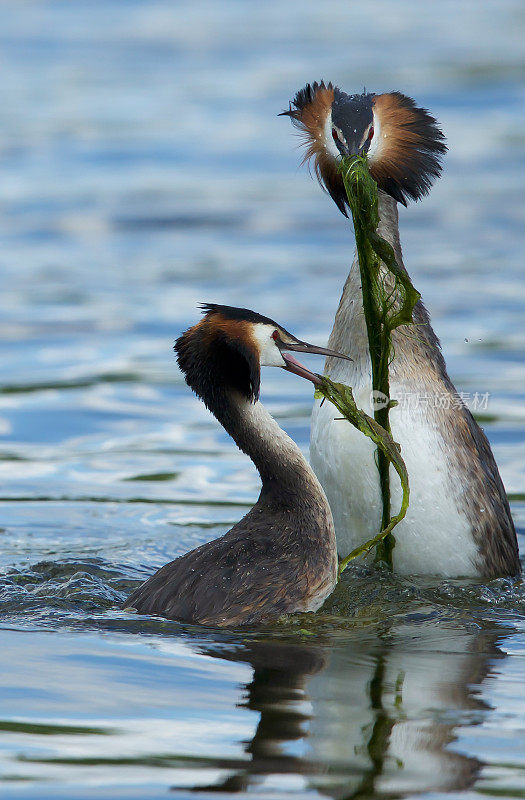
pixel 349 334
pixel 388 226
pixel 279 461
pixel 412 349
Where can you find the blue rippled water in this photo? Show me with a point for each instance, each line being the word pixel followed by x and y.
pixel 143 169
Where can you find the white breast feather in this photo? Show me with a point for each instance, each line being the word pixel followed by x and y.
pixel 435 536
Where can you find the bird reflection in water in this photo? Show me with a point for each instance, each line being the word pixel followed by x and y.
pixel 362 720
pixel 277 692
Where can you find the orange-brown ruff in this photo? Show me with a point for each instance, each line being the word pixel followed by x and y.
pixel 281 557
pixel 404 158
pixel 459 521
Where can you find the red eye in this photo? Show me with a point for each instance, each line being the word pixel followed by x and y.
pixel 335 137
pixel 371 133
pixel 275 335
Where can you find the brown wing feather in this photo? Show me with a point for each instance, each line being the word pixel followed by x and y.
pixel 483 494
pixel 245 577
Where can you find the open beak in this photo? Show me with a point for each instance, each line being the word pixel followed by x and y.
pixel 292 365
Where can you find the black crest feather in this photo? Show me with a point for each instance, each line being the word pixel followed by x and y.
pixel 303 98
pixel 234 313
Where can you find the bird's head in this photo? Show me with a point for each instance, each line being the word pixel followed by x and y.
pixel 403 143
pixel 227 348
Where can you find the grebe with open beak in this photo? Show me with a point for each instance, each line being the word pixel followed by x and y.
pixel 281 557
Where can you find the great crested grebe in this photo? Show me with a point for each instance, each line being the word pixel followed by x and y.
pixel 459 521
pixel 281 557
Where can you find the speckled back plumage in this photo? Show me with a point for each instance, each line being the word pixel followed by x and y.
pixel 267 565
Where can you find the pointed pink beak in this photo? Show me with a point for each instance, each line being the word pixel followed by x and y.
pixel 292 365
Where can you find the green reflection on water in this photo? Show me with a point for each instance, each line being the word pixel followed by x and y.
pixel 42 729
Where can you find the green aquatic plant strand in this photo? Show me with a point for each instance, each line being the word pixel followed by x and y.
pixel 343 399
pixel 388 302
